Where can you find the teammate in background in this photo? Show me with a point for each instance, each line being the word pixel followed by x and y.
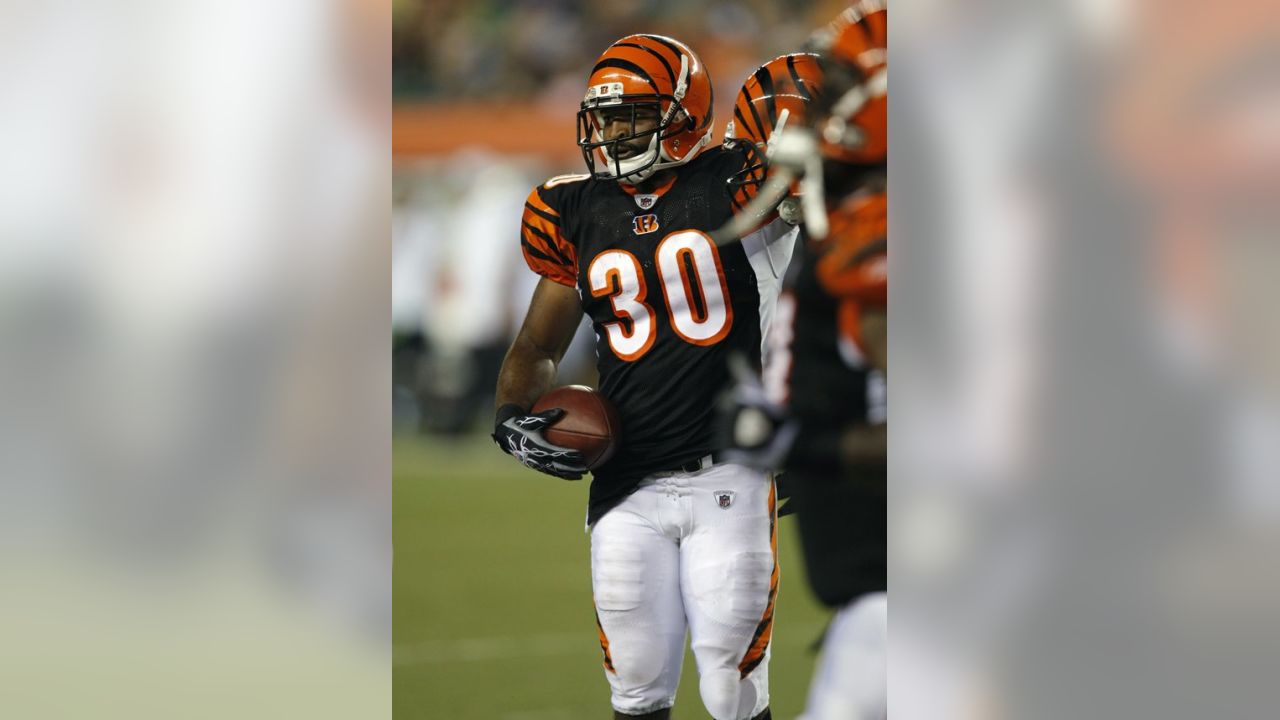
pixel 835 341
pixel 680 540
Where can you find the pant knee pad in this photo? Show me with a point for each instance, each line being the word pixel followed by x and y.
pixel 722 693
pixel 639 664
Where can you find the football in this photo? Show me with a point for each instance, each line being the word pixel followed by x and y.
pixel 589 424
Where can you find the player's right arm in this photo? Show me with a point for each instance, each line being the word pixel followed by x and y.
pixel 528 372
pixel 529 369
pixel 530 366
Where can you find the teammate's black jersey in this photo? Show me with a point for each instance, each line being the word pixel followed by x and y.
pixel 841 510
pixel 666 304
pixel 829 385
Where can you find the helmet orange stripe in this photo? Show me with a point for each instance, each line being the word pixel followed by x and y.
pixel 765 78
pixel 671 73
pixel 760 131
pixel 624 64
pixel 801 86
pixel 667 44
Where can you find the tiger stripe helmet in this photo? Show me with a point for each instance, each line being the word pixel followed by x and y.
pixel 662 75
pixel 777 95
pixel 852 125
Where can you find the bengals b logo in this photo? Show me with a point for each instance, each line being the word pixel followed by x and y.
pixel 645 224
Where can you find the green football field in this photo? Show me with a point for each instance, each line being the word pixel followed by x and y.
pixel 493 615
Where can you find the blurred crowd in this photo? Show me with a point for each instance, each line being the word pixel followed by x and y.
pixel 446 49
pixel 459 287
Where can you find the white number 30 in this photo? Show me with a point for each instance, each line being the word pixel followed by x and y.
pixel 693 285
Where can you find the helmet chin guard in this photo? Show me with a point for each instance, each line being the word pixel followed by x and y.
pixel 635 170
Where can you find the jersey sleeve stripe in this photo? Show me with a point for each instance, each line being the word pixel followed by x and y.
pixel 533 250
pixel 544 214
pixel 546 250
pixel 546 267
pixel 538 200
pixel 552 244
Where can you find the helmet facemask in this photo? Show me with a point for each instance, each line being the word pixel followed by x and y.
pixel 609 158
pixel 747 182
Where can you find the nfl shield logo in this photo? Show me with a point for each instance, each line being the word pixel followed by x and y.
pixel 724 498
pixel 646 201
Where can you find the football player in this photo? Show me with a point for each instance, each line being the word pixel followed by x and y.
pixel 832 378
pixel 681 541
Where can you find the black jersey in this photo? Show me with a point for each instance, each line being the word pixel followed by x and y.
pixel 828 384
pixel 667 306
pixel 841 510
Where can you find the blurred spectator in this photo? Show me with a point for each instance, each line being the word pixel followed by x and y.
pixel 459 285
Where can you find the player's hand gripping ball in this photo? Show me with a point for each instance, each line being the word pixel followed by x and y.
pixel 520 435
pixel 589 425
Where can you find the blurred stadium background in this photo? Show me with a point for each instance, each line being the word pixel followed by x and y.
pixel 492 590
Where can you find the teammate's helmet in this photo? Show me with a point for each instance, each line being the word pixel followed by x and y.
pixel 852 124
pixel 642 78
pixel 777 95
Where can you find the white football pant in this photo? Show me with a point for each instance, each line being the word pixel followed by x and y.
pixel 695 551
pixel 849 682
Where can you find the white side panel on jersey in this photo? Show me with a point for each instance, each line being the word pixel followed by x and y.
pixel 777 354
pixel 769 251
pixel 877 398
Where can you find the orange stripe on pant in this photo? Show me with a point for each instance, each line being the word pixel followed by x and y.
pixel 604 646
pixel 764 631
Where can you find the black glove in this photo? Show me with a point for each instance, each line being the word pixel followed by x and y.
pixel 752 430
pixel 519 434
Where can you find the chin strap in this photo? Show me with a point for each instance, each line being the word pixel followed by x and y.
pixel 681 88
pixel 683 85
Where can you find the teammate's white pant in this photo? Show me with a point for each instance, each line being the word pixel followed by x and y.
pixel 696 551
pixel 849 682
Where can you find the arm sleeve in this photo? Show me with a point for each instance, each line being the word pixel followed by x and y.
pixel 546 249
